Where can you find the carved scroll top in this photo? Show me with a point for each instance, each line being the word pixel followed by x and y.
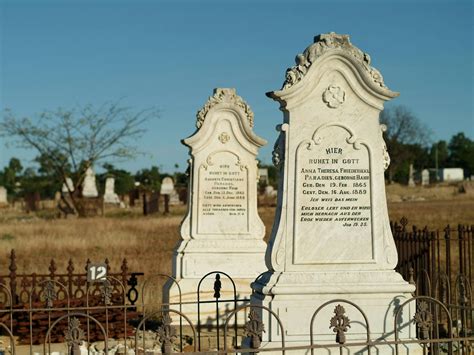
pixel 322 44
pixel 224 95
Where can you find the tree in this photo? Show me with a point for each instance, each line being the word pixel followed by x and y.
pixel 149 179
pixel 71 141
pixel 461 153
pixel 405 135
pixel 10 175
pixel 439 154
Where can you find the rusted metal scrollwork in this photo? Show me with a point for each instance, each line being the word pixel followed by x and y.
pixel 166 334
pixel 50 294
pixel 74 336
pixel 340 324
pixel 106 290
pixel 423 319
pixel 254 329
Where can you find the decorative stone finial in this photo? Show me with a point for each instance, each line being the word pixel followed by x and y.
pixel 224 95
pixel 325 43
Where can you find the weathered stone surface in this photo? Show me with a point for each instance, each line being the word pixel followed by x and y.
pixel 222 230
pixel 89 188
pixel 331 238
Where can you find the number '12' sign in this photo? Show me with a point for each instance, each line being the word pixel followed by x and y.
pixel 96 272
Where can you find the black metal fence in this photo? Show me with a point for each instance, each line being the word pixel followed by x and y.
pixel 440 264
pixel 109 323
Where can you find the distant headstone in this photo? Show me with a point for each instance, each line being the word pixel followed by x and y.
pixel 331 238
pixel 57 196
pixel 68 184
pixel 270 191
pixel 110 196
pixel 425 177
pixel 167 186
pixel 411 173
pixel 151 203
pixel 222 230
pixel 174 198
pixel 89 188
pixel 3 195
pixel 263 175
pixel 451 174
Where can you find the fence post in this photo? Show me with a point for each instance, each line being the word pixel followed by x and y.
pixel 124 269
pixel 447 238
pixel 12 267
pixel 433 274
pixel 70 270
pixel 461 249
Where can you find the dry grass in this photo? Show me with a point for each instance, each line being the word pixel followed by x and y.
pixel 148 242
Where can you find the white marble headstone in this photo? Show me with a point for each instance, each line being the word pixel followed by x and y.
pixel 89 188
pixel 174 198
pixel 425 177
pixel 331 237
pixel 167 186
pixel 3 195
pixel 222 229
pixel 411 178
pixel 109 195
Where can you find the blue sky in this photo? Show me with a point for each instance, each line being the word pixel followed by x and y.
pixel 170 55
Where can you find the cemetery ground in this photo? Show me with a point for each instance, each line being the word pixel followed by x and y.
pixel 148 242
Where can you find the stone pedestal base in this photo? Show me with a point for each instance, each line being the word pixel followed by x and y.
pixel 296 296
pixel 243 261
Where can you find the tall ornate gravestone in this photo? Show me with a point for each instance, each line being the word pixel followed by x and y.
pixel 222 230
pixel 331 237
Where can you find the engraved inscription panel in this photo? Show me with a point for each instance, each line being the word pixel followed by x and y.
pixel 223 195
pixel 333 210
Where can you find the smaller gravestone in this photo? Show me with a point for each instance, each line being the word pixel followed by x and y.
pixel 110 196
pixel 425 177
pixel 3 196
pixel 89 188
pixel 270 191
pixel 167 186
pixel 68 185
pixel 222 229
pixel 411 180
pixel 57 196
pixel 263 175
pixel 174 198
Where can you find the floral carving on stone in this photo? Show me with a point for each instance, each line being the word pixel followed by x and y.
pixel 223 137
pixel 386 156
pixel 334 96
pixel 222 95
pixel 323 44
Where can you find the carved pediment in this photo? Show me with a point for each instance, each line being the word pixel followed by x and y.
pixel 224 95
pixel 323 44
